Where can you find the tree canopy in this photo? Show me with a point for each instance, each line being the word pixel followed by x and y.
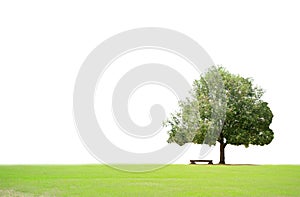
pixel 230 112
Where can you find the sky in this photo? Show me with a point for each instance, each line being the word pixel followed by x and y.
pixel 44 44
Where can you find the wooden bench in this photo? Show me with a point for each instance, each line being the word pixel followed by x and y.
pixel 194 161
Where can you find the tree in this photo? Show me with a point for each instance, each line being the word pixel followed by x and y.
pixel 232 112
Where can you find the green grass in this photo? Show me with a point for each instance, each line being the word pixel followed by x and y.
pixel 173 180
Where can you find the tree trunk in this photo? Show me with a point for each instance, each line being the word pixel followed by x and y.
pixel 222 152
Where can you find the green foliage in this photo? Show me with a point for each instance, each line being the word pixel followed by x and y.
pixel 201 118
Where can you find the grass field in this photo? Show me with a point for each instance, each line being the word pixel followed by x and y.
pixel 173 180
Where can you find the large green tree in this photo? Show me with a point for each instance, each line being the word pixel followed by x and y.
pixel 230 112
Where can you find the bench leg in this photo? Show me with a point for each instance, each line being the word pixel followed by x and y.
pixel 192 162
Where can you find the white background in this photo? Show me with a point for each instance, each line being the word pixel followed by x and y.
pixel 42 46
